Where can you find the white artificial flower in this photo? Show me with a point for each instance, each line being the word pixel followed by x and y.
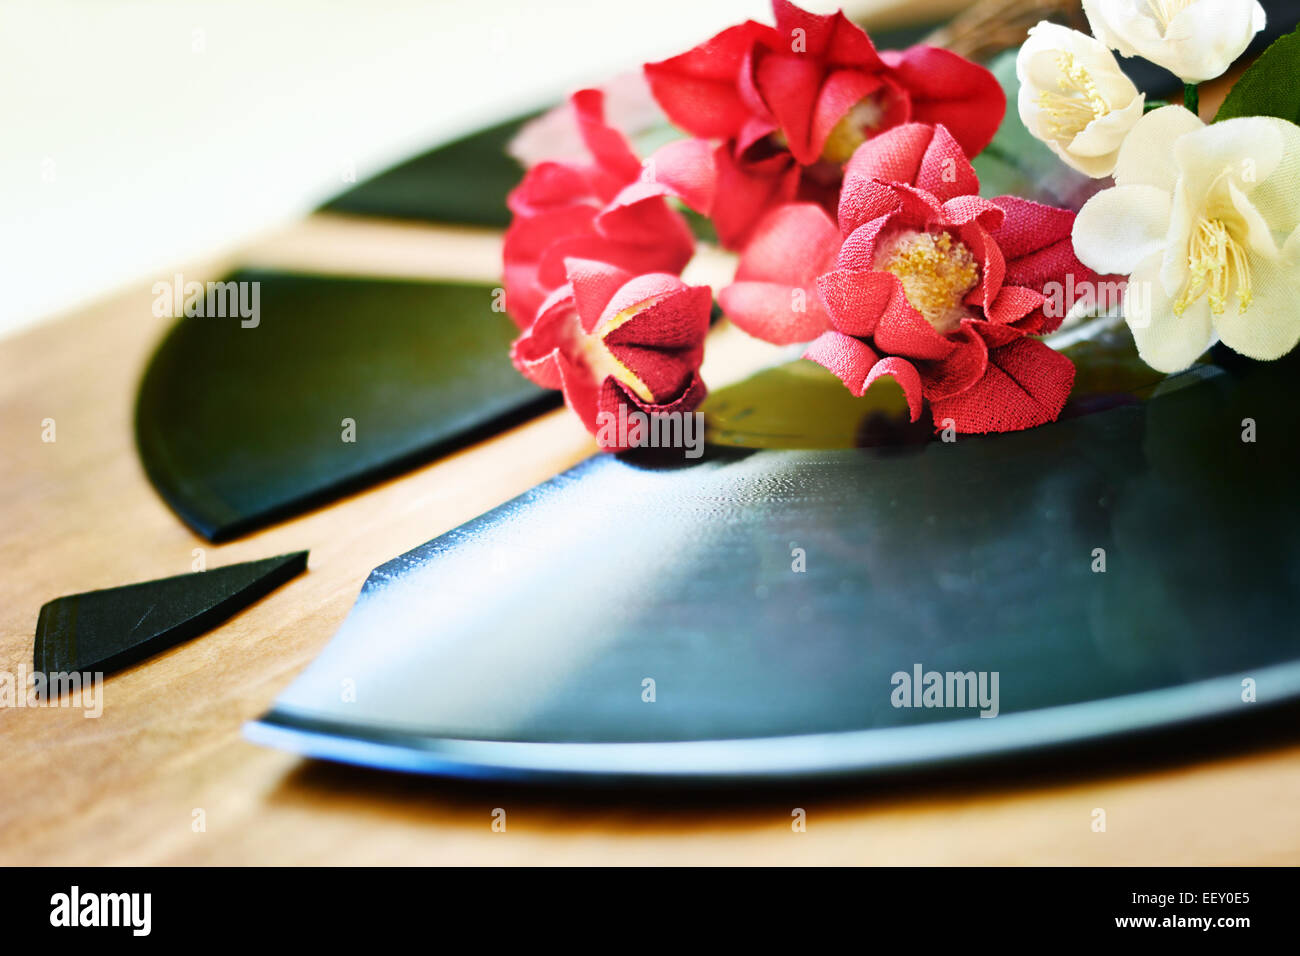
pixel 1205 220
pixel 1196 40
pixel 1074 97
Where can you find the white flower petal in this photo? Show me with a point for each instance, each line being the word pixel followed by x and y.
pixel 1097 167
pixel 1105 136
pixel 1291 251
pixel 1278 197
pixel 1101 14
pixel 1166 341
pixel 1270 325
pixel 1147 156
pixel 1074 97
pixel 1198 43
pixel 1120 227
pixel 1204 39
pixel 1258 236
pixel 1244 150
pixel 1183 216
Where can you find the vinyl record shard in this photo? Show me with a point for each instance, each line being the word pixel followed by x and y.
pixel 114 628
pixel 335 384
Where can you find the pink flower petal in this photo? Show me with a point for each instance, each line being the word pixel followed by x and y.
pixel 831 37
pixel 859 249
pixel 915 154
pixel 905 374
pixel 687 169
pixel 793 244
pixel 1013 303
pixel 1026 384
pixel 850 359
pixel 962 210
pixel 789 84
pixel 663 344
pixel 594 284
pixel 856 300
pixel 840 92
pixel 962 367
pixel 862 200
pixel 904 331
pixel 773 312
pixel 746 191
pixel 948 89
pixel 699 89
pixel 607 145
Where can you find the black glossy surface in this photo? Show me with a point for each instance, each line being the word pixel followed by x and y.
pixel 539 621
pixel 464 181
pixel 238 427
pixel 116 627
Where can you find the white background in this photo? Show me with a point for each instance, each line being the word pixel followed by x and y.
pixel 140 135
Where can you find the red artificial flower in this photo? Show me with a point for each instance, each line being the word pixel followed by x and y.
pixel 791 103
pixel 923 281
pixel 597 210
pixel 609 338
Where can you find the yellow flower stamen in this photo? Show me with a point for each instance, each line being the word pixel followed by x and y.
pixel 853 129
pixel 936 272
pixel 1215 259
pixel 1078 103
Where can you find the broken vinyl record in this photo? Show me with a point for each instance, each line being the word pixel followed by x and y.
pixel 765 613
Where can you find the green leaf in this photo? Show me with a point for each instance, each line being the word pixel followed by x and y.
pixel 1271 87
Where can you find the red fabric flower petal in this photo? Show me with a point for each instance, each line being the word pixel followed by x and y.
pixel 608 335
pixel 830 37
pixel 612 395
pixel 948 89
pixel 839 93
pixel 865 200
pixel 905 374
pixel 663 343
pixel 598 210
pixel 856 300
pixel 547 187
pixel 526 242
pixel 687 169
pixel 850 359
pixel 992 265
pixel 1012 304
pixel 1035 240
pixel 1026 384
pixel 608 146
pixel 964 210
pixel 789 85
pixel 700 89
pixel 593 285
pixel 774 296
pixel 904 331
pixel 914 154
pixel 860 247
pixel 746 190
pixel 962 367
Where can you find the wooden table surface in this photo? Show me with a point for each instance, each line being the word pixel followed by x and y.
pixel 78 514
